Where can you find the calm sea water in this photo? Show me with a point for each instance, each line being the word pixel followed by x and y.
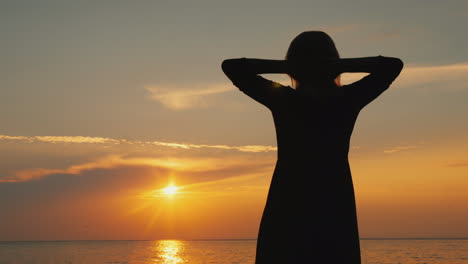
pixel 219 251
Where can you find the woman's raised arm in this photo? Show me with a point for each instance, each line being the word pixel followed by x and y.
pixel 241 66
pixel 244 74
pixel 383 71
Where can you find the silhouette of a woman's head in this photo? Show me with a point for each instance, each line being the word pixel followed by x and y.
pixel 307 49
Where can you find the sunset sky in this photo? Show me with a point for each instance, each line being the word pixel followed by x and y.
pixel 105 103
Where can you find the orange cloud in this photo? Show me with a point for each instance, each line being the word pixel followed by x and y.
pixel 101 140
pixel 215 194
pixel 398 149
pixel 198 95
pixel 75 139
pixel 6 137
pixel 180 98
pixel 445 76
pixel 192 165
pixel 449 75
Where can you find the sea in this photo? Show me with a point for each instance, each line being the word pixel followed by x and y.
pixel 373 251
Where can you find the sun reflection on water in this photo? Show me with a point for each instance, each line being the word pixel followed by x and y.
pixel 170 251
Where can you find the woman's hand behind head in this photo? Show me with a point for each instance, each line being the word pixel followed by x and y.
pixel 314 71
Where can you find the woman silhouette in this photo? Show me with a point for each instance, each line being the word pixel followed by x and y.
pixel 310 213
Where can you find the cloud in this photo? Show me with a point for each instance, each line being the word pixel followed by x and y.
pixel 454 76
pixel 399 149
pixel 128 191
pixel 101 140
pixel 441 76
pixel 181 98
pixel 201 95
pixel 247 148
pixel 5 137
pixel 75 139
pixel 193 165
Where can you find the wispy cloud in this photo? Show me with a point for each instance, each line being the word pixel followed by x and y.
pixel 173 164
pixel 75 139
pixel 200 95
pixel 454 76
pixel 102 140
pixel 180 98
pixel 6 137
pixel 246 148
pixel 444 76
pixel 399 149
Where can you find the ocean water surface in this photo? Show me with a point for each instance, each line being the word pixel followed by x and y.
pixel 378 251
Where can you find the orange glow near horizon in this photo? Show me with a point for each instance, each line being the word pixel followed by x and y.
pixel 222 196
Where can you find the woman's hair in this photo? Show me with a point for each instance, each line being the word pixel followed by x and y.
pixel 312 46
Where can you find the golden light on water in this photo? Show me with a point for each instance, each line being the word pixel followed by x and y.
pixel 170 251
pixel 170 190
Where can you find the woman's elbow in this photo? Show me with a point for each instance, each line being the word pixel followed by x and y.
pixel 391 66
pixel 230 66
pixel 394 63
pixel 397 66
pixel 398 63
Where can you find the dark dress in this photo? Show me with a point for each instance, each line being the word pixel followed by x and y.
pixel 310 214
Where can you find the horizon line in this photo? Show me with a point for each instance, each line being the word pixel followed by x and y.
pixel 234 239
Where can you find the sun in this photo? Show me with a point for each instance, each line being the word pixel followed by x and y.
pixel 170 190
